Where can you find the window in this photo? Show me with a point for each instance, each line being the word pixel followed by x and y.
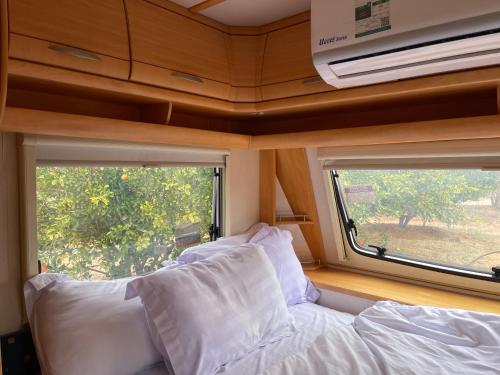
pixel 111 222
pixel 440 219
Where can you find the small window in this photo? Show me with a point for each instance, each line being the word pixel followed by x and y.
pixel 111 222
pixel 440 219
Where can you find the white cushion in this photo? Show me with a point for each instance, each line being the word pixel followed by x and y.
pixel 295 285
pixel 34 288
pixel 215 311
pixel 204 250
pixel 85 327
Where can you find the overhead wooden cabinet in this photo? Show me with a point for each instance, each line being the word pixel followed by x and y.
pixel 287 69
pixel 83 35
pixel 171 50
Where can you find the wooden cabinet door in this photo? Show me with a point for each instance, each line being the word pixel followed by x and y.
pixel 169 40
pixel 88 35
pixel 288 55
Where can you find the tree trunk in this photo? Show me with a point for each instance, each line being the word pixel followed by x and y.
pixel 495 199
pixel 404 220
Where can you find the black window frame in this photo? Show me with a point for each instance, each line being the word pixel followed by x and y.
pixel 379 253
pixel 216 229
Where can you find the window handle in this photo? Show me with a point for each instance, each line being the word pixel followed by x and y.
pixel 496 271
pixel 380 249
pixel 352 226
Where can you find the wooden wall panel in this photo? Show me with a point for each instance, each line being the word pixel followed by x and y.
pixel 292 170
pixel 268 186
pixel 11 306
pixel 4 52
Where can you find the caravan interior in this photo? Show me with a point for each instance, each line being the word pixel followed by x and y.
pixel 199 187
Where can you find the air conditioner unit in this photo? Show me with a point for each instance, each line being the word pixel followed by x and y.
pixel 362 42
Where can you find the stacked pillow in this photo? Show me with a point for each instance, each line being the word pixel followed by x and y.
pixel 214 311
pixel 217 302
pixel 277 243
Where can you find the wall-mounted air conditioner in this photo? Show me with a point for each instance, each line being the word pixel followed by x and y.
pixel 361 42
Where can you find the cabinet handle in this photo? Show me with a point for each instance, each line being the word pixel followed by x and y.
pixel 312 80
pixel 75 52
pixel 187 77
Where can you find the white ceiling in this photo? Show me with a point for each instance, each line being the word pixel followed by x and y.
pixel 251 12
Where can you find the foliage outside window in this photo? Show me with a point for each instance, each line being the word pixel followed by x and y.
pixel 105 223
pixel 442 217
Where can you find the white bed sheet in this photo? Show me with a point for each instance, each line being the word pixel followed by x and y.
pixel 393 339
pixel 311 321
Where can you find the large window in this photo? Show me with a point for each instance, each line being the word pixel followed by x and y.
pixel 448 220
pixel 109 222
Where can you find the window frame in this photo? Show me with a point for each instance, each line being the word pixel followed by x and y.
pixel 349 229
pixel 28 160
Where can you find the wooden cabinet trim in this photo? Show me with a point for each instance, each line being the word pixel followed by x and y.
pixel 162 77
pixel 67 45
pixel 38 50
pixel 294 88
pixel 31 121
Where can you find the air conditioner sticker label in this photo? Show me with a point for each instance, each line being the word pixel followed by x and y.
pixel 372 16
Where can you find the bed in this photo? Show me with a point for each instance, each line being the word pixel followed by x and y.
pixel 243 310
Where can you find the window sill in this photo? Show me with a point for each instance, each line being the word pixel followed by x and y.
pixel 374 288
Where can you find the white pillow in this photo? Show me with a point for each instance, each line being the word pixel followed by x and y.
pixel 295 285
pixel 215 311
pixel 85 327
pixel 204 250
pixel 35 287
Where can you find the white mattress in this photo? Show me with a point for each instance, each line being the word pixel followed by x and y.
pixel 310 320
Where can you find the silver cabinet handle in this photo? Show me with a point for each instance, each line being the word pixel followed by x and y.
pixel 312 80
pixel 187 77
pixel 75 52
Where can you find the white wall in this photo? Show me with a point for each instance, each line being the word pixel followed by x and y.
pixel 242 191
pixel 10 274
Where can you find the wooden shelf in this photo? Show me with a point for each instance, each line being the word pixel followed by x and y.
pixel 378 289
pixel 292 219
pixel 294 222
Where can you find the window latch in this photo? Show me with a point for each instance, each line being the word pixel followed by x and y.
pixel 352 226
pixel 380 250
pixel 496 271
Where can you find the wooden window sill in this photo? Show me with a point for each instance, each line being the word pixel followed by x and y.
pixel 374 288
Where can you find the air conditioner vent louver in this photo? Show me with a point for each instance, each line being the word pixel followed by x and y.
pixel 419 45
